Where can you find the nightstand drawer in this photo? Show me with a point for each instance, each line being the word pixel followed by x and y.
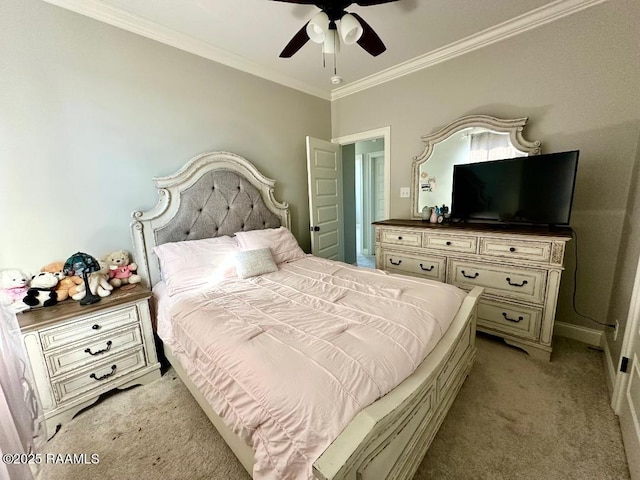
pixel 509 318
pixel 400 237
pixel 417 265
pixel 529 250
pixel 451 243
pixel 518 283
pixel 99 348
pixel 98 375
pixel 89 327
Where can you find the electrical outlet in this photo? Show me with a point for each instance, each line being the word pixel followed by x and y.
pixel 405 192
pixel 615 332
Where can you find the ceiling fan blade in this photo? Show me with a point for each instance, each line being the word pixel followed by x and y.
pixel 296 43
pixel 369 40
pixel 367 3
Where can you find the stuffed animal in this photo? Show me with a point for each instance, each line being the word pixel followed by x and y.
pixel 42 290
pixel 98 283
pixel 121 271
pixel 67 286
pixel 13 288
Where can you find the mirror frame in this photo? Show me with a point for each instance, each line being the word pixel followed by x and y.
pixel 513 127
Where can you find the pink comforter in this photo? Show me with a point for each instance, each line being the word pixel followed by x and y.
pixel 287 359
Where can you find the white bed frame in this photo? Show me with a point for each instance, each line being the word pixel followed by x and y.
pixel 389 438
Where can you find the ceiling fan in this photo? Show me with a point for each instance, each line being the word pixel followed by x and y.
pixel 323 28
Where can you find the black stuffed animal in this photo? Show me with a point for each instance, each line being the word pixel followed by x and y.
pixel 41 291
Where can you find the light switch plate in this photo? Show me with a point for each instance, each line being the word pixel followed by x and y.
pixel 405 192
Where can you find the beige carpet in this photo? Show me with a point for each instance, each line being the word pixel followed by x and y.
pixel 515 418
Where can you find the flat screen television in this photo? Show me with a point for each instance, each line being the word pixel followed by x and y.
pixel 526 190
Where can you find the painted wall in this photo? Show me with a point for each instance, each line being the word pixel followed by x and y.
pixel 577 79
pixel 90 113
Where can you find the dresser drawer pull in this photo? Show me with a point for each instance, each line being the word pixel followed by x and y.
pixel 98 352
pixel 524 282
pixel 448 243
pixel 504 314
pixel 395 263
pixel 399 238
pixel 427 269
pixel 96 327
pixel 475 275
pixel 106 375
pixel 512 249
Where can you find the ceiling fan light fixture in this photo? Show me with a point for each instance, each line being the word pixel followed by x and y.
pixel 350 29
pixel 331 43
pixel 318 27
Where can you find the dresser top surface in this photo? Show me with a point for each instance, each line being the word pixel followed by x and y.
pixel 563 233
pixel 44 316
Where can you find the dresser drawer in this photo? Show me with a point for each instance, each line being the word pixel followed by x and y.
pixel 95 350
pixel 518 283
pixel 89 327
pixel 517 249
pixel 401 237
pixel 98 375
pixel 428 266
pixel 451 243
pixel 508 318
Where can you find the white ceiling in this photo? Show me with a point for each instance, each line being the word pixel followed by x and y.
pixel 250 34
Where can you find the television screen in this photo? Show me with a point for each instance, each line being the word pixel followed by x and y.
pixel 525 190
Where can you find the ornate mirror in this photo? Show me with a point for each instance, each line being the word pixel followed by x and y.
pixel 477 138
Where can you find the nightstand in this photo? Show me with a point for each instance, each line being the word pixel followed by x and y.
pixel 78 352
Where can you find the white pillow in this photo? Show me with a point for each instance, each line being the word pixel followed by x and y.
pixel 250 263
pixel 281 241
pixel 195 263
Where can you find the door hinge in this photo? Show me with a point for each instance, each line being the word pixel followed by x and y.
pixel 624 364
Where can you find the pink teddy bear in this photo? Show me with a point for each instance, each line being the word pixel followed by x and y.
pixel 120 270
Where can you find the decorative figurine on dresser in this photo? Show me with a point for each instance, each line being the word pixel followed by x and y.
pixel 517 256
pixel 80 351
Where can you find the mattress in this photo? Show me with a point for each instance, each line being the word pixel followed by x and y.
pixel 287 359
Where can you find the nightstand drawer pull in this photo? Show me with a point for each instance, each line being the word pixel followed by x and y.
pixel 427 269
pixel 524 282
pixel 106 375
pixel 98 352
pixel 448 243
pixel 96 327
pixel 475 275
pixel 504 314
pixel 512 249
pixel 395 263
pixel 399 238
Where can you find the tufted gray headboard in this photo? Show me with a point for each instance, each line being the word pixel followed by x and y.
pixel 214 194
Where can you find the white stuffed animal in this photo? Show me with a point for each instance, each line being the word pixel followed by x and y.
pixel 42 291
pixel 14 285
pixel 98 283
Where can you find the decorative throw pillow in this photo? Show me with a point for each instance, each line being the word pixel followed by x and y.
pixel 283 244
pixel 250 263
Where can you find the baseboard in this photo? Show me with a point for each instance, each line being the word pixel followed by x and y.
pixel 582 334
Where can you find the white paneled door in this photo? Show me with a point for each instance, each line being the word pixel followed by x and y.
pixel 629 412
pixel 324 173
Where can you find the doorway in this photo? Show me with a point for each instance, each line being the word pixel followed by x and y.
pixel 366 187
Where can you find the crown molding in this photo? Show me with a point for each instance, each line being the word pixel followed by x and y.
pixel 119 18
pixel 510 28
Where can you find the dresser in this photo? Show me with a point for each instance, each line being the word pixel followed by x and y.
pixel 78 352
pixel 519 268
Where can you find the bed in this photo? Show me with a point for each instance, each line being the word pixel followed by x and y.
pixel 314 368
